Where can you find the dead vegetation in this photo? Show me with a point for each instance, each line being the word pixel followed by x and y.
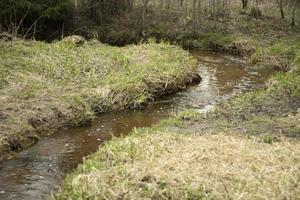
pixel 181 166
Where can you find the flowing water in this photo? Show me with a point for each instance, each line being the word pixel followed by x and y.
pixel 37 172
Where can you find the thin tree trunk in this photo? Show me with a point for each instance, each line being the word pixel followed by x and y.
pixel 244 4
pixel 280 5
pixel 293 14
pixel 194 15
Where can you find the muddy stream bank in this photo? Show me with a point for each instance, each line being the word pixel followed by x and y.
pixel 36 172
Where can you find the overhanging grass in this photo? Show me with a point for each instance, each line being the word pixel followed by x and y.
pixel 46 86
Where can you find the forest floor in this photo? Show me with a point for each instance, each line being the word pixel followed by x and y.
pixel 44 87
pixel 236 33
pixel 246 148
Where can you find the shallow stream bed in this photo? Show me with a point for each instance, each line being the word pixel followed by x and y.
pixel 37 172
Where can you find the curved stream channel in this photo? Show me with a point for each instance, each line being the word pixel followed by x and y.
pixel 38 171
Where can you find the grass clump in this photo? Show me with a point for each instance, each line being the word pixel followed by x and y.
pixel 208 41
pixel 269 139
pixel 46 86
pixel 181 166
pixel 282 55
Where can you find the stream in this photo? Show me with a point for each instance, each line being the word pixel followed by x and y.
pixel 37 172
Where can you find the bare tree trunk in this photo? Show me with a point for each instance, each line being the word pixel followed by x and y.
pixel 145 9
pixel 194 14
pixel 293 13
pixel 280 5
pixel 244 4
pixel 199 10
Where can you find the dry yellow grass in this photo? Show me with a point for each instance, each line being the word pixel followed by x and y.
pixel 177 166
